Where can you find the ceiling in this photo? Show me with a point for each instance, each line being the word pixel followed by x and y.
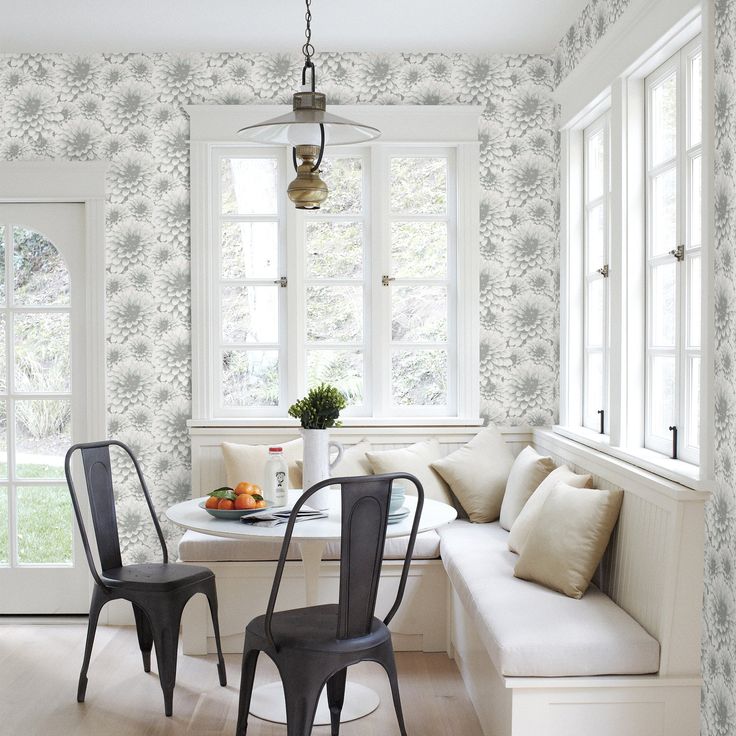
pixel 472 26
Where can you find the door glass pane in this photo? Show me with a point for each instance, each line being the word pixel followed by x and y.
pixel 345 179
pixel 44 525
pixel 419 314
pixel 696 99
pixel 335 313
pixel 2 264
pixel 250 250
pixel 419 377
pixel 40 275
pixel 341 368
pixel 662 395
pixel 42 348
pixel 42 437
pixel 694 403
pixel 334 250
pixel 249 186
pixel 3 440
pixel 595 164
pixel 4 527
pixel 696 174
pixel 664 305
pixel 664 120
pixel 3 356
pixel 693 299
pixel 593 389
pixel 250 378
pixel 418 185
pixel 664 212
pixel 419 250
pixel 596 311
pixel 596 238
pixel 250 314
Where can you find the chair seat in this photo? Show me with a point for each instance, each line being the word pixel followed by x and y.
pixel 155 576
pixel 315 628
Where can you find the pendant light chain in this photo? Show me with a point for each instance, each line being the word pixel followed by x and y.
pixel 308 49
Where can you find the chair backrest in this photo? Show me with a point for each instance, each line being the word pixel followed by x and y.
pixel 97 466
pixel 365 508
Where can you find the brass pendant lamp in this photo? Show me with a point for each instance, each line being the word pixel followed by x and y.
pixel 308 128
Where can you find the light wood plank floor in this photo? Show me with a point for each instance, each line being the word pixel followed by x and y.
pixel 39 666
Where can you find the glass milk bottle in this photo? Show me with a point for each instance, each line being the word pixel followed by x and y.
pixel 277 478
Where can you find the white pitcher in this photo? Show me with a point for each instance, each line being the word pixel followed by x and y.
pixel 317 465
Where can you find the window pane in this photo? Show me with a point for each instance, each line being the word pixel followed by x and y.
pixel 250 378
pixel 44 525
pixel 664 212
pixel 3 356
pixel 596 238
pixel 662 395
pixel 419 378
pixel 250 250
pixel 42 353
pixel 664 120
pixel 693 300
pixel 418 185
pixel 696 175
pixel 2 264
pixel 3 440
pixel 335 313
pixel 419 250
pixel 249 186
pixel 250 314
pixel 696 99
pixel 334 250
pixel 4 528
pixel 344 176
pixel 595 165
pixel 419 314
pixel 593 389
pixel 596 312
pixel 664 305
pixel 43 435
pixel 40 275
pixel 693 423
pixel 341 368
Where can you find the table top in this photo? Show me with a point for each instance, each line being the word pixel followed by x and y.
pixel 189 516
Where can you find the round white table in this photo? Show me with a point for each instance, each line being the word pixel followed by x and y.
pixel 311 537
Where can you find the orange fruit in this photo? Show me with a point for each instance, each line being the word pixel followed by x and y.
pixel 211 502
pixel 245 502
pixel 261 504
pixel 225 505
pixel 242 488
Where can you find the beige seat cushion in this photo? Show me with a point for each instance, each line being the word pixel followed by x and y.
pixel 527 517
pixel 477 474
pixel 415 459
pixel 568 540
pixel 528 471
pixel 196 547
pixel 248 462
pixel 354 461
pixel 531 631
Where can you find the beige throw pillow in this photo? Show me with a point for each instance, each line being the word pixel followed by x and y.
pixel 527 472
pixel 527 517
pixel 354 461
pixel 416 460
pixel 248 462
pixel 477 474
pixel 569 538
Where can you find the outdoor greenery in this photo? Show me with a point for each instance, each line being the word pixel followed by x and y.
pixel 320 408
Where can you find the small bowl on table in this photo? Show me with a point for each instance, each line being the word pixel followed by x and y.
pixel 398 496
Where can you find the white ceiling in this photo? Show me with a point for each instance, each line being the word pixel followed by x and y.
pixel 474 26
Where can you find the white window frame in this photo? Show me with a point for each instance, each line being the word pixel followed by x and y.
pixel 409 129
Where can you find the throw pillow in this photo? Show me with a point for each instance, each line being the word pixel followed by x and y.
pixel 569 538
pixel 527 517
pixel 248 462
pixel 528 471
pixel 477 474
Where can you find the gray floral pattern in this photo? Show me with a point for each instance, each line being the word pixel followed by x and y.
pixel 128 109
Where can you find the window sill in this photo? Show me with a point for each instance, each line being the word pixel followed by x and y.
pixel 678 471
pixel 287 422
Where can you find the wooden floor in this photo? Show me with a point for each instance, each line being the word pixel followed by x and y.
pixel 39 666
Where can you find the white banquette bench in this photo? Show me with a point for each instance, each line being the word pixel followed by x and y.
pixel 622 661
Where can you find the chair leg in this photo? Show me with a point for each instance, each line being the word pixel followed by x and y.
pixel 94 614
pixel 336 698
pixel 302 695
pixel 145 636
pixel 388 661
pixel 247 677
pixel 212 600
pixel 165 621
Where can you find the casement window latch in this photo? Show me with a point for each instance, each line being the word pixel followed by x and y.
pixel 283 282
pixel 603 271
pixel 678 253
pixel 386 280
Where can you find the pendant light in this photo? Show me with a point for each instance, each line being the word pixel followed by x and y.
pixel 308 128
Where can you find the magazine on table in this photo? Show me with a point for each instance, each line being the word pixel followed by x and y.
pixel 281 516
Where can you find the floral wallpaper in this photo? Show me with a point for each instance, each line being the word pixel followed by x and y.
pixel 127 108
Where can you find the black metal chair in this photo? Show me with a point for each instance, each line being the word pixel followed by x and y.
pixel 157 591
pixel 313 647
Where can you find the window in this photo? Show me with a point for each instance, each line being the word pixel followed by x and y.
pixel 375 293
pixel 673 254
pixel 596 207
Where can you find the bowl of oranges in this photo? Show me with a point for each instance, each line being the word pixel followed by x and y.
pixel 232 503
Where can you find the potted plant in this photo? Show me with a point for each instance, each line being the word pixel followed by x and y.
pixel 317 412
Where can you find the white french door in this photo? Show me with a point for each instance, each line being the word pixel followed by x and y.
pixel 42 384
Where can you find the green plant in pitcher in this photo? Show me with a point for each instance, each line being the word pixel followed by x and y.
pixel 320 408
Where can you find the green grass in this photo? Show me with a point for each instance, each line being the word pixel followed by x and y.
pixel 44 520
pixel 4 541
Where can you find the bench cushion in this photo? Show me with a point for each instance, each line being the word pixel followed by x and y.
pixel 530 631
pixel 196 547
